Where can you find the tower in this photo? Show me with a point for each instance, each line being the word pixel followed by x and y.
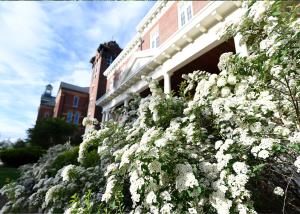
pixel 105 55
pixel 48 90
pixel 47 103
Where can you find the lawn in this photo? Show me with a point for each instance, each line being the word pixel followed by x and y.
pixel 7 174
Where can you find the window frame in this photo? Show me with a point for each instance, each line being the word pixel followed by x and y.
pixel 183 8
pixel 154 38
pixel 75 104
pixel 76 117
pixel 69 117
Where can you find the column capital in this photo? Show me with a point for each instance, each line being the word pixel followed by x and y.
pixel 168 73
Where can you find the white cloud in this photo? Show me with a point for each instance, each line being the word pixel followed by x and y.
pixel 49 42
pixel 25 44
pixel 80 76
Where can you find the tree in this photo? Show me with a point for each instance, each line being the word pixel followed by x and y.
pixel 52 131
pixel 19 143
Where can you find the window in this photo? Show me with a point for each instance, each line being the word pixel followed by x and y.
pixel 76 117
pixel 110 60
pixel 110 84
pixel 69 117
pixel 47 114
pixel 75 101
pixel 185 12
pixel 154 38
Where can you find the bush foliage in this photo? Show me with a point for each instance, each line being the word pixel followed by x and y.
pixel 14 157
pixel 48 132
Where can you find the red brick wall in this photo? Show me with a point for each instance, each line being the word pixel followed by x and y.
pixel 168 23
pixel 65 104
pixel 94 87
pixel 43 110
pixel 58 104
pixel 198 5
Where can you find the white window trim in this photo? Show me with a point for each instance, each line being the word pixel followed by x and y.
pixel 154 35
pixel 185 5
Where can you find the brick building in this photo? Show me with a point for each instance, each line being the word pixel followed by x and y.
pixel 175 37
pixel 71 103
pixel 47 103
pixel 105 55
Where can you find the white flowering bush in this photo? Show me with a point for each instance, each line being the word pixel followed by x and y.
pixel 234 142
pixel 229 144
pixel 28 192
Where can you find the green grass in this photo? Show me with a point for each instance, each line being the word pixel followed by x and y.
pixel 8 174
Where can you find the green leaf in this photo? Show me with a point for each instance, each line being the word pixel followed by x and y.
pixel 258 168
pixel 199 189
pixel 113 205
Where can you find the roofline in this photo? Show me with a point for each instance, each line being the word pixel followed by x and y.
pixel 153 12
pixel 60 87
pixel 76 90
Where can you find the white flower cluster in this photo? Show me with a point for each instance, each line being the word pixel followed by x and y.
pixel 65 173
pixel 185 179
pixel 136 184
pixel 89 121
pixel 278 191
pixel 52 193
pixel 297 164
pixel 257 10
pixel 263 149
pixel 109 188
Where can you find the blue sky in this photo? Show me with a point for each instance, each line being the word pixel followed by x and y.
pixel 49 42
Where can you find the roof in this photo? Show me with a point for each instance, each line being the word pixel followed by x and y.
pixel 48 100
pixel 74 87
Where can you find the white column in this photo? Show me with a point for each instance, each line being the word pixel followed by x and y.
pixel 106 116
pixel 240 49
pixel 126 102
pixel 103 116
pixel 167 83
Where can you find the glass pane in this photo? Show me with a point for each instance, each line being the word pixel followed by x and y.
pixel 182 19
pixel 69 117
pixel 75 101
pixel 153 44
pixel 76 118
pixel 189 12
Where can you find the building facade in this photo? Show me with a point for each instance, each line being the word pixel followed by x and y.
pixel 105 55
pixel 174 38
pixel 71 103
pixel 47 104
